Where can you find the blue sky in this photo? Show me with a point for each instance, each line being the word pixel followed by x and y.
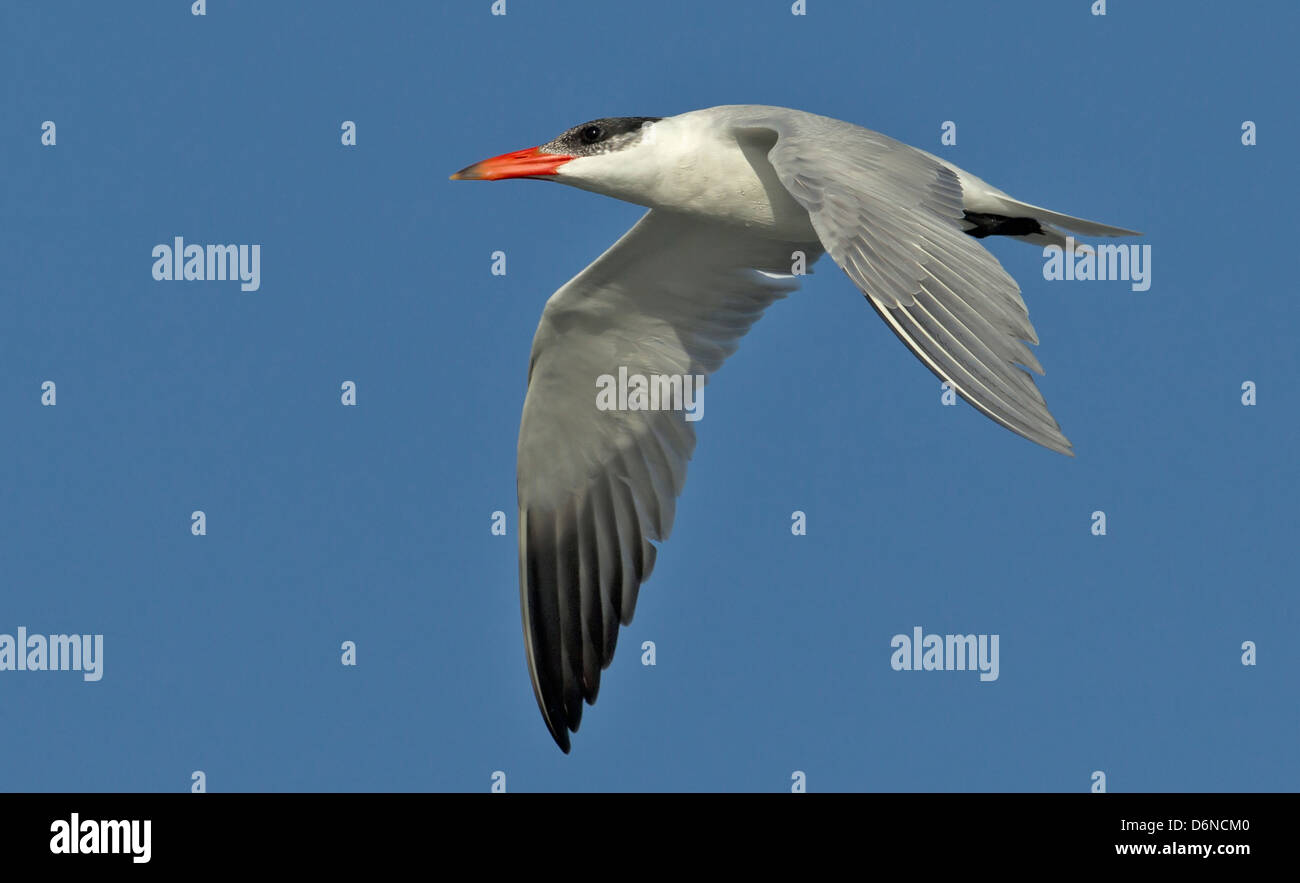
pixel 1120 653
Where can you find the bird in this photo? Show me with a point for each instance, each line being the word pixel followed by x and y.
pixel 742 200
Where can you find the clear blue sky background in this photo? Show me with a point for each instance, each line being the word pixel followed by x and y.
pixel 1118 653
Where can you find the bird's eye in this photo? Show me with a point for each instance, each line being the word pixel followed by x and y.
pixel 591 134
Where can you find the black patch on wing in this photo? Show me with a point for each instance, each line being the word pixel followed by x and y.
pixel 1000 225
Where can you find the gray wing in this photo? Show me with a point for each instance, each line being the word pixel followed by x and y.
pixel 672 297
pixel 891 217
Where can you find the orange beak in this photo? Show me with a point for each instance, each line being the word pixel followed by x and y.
pixel 530 163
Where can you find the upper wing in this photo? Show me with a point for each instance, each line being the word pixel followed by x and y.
pixel 672 297
pixel 890 216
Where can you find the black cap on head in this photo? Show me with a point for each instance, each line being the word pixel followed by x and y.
pixel 598 136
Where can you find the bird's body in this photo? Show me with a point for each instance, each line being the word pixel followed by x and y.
pixel 741 198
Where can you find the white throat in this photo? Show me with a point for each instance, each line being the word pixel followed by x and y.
pixel 688 164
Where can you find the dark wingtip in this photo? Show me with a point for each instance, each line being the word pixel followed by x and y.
pixel 561 737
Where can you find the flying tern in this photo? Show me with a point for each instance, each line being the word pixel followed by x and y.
pixel 741 198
